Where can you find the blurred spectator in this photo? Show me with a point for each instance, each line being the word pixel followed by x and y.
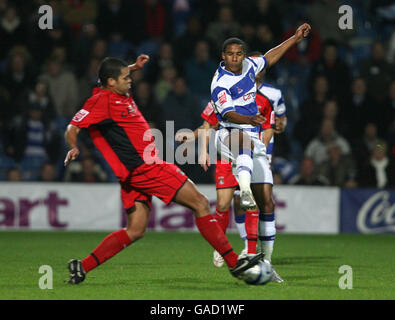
pixel 358 110
pixel 39 98
pixel 312 110
pixel 325 17
pixel 363 146
pixel 265 11
pixel 306 51
pixel 164 59
pixel 334 69
pixel 48 173
pixel 99 49
pixel 181 10
pixel 331 111
pixel 181 107
pixel 157 19
pixel 184 45
pixel 116 16
pixel 223 28
pixel 387 112
pixel 83 47
pixel 18 77
pixel 63 89
pixel 308 175
pixel 164 83
pixel 199 71
pixel 379 172
pixel 88 81
pixel 120 48
pixel 317 148
pixel 147 104
pixel 75 13
pixel 264 40
pixel 14 175
pixel 85 171
pixel 378 72
pixel 32 135
pixel 339 169
pixel 12 30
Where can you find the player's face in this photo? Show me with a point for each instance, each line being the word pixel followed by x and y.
pixel 123 82
pixel 233 57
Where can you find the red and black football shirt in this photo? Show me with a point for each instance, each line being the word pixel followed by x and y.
pixel 118 130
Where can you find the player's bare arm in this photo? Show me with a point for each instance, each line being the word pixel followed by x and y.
pixel 267 134
pixel 70 136
pixel 238 118
pixel 142 59
pixel 273 55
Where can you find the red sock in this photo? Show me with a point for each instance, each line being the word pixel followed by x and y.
pixel 110 246
pixel 251 225
pixel 223 218
pixel 211 231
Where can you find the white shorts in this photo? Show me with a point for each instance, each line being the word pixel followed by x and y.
pixel 261 172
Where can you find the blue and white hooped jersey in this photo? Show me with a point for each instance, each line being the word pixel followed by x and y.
pixel 275 97
pixel 236 92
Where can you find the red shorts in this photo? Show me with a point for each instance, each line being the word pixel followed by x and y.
pixel 159 180
pixel 224 177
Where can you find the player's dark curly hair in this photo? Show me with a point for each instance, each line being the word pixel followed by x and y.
pixel 230 41
pixel 110 68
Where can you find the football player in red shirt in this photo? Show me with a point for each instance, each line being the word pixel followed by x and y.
pixel 124 138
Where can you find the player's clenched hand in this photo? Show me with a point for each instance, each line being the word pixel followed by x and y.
pixel 142 59
pixel 302 32
pixel 257 120
pixel 71 155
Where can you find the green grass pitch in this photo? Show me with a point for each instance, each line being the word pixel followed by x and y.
pixel 178 266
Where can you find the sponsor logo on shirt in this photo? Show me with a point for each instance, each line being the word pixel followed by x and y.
pixel 222 97
pixel 80 115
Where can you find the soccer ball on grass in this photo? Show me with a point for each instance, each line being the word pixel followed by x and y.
pixel 259 274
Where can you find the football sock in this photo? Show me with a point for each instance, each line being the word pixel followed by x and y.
pixel 251 227
pixel 267 233
pixel 211 231
pixel 223 218
pixel 240 225
pixel 244 166
pixel 110 246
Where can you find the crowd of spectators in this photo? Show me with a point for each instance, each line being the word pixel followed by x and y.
pixel 338 85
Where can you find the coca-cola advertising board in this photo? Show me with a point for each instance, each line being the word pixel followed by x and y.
pixel 369 211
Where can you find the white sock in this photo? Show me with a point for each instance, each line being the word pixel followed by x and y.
pixel 244 166
pixel 240 225
pixel 267 233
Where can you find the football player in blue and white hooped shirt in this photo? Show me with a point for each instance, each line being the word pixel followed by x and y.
pixel 233 91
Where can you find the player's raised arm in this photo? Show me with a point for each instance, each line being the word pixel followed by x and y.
pixel 71 140
pixel 142 59
pixel 273 55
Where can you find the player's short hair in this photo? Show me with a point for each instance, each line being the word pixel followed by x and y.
pixel 110 68
pixel 230 41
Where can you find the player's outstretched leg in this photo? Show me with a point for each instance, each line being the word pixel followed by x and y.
pixel 209 228
pixel 112 244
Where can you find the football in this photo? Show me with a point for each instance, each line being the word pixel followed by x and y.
pixel 260 274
